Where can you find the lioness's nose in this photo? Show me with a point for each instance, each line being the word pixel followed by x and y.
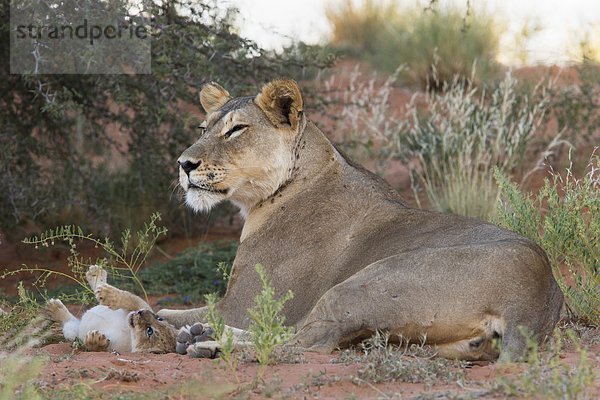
pixel 187 165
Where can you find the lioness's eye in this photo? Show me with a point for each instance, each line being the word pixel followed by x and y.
pixel 149 331
pixel 232 131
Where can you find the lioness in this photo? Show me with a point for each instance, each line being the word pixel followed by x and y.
pixel 356 257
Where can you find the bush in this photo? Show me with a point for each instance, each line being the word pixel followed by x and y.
pixel 453 147
pixel 564 220
pixel 193 273
pixel 122 261
pixel 435 44
pixel 576 106
pixel 59 161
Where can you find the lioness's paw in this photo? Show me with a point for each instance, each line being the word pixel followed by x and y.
pixel 209 349
pixel 189 335
pixel 95 275
pixel 109 296
pixel 96 341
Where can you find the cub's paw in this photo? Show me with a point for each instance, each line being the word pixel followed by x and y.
pixel 56 310
pixel 188 335
pixel 109 296
pixel 95 275
pixel 96 341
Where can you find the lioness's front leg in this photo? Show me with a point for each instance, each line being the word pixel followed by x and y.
pixel 180 318
pixel 207 346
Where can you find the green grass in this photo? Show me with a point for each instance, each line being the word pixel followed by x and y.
pixel 563 218
pixel 192 273
pixel 23 325
pixel 547 376
pixel 17 376
pixel 453 146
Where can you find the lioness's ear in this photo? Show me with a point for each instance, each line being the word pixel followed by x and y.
pixel 213 97
pixel 282 102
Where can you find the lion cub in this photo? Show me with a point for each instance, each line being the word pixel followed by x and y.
pixel 123 322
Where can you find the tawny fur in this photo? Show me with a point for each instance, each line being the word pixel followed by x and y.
pixel 282 103
pixel 357 258
pixel 213 97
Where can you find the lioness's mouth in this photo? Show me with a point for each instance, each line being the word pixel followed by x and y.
pixel 206 188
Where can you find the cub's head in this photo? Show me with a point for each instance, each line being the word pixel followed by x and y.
pixel 150 333
pixel 246 148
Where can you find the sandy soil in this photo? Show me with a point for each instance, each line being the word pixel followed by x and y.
pixel 315 376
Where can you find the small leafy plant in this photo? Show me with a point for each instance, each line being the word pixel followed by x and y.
pixel 563 218
pixel 122 261
pixel 223 336
pixel 21 323
pixel 267 326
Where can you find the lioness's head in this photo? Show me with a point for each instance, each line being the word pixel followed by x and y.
pixel 150 333
pixel 246 148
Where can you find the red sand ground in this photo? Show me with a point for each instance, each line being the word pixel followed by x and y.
pixel 176 376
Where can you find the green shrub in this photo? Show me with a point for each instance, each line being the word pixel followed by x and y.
pixel 576 106
pixel 267 323
pixel 193 273
pixel 546 376
pixel 223 336
pixel 60 162
pixel 564 219
pixel 435 44
pixel 465 132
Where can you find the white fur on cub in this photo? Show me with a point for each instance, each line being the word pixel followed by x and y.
pixel 112 323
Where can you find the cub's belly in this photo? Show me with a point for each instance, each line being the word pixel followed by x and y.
pixel 112 323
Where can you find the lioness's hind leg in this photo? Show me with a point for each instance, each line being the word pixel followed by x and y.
pixel 514 344
pixel 330 322
pixel 96 341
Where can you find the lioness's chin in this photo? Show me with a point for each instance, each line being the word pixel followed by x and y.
pixel 202 200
